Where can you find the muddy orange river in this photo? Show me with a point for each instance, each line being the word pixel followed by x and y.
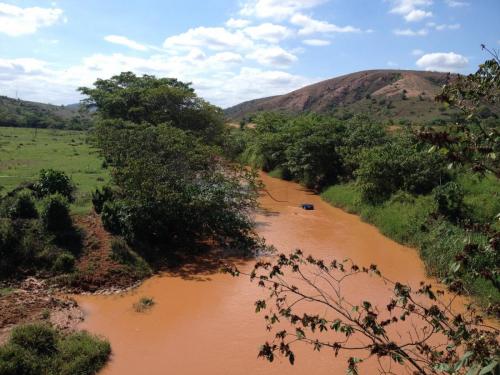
pixel 208 325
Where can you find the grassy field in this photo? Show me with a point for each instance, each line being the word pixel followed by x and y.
pixel 24 152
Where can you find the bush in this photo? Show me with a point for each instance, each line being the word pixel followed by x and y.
pixel 23 207
pixel 37 349
pixel 54 182
pixel 55 214
pixel 398 165
pixel 9 242
pixel 450 200
pixel 111 215
pixel 99 197
pixel 36 338
pixel 64 263
pixel 15 360
pixel 82 353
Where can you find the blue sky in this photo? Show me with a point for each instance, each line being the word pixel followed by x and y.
pixel 233 50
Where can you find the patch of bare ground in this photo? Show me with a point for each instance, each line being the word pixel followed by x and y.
pixel 96 270
pixel 33 300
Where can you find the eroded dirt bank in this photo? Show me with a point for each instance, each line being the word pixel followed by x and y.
pixel 205 322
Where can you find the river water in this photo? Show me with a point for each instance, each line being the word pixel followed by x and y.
pixel 206 323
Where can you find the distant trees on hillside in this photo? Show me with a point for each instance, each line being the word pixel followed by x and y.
pixel 18 113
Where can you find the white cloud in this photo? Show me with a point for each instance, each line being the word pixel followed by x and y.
pixel 442 62
pixel 275 56
pixel 392 64
pixel 411 10
pixel 268 32
pixel 215 38
pixel 316 42
pixel 277 9
pixel 311 26
pixel 410 32
pixel 219 77
pixel 16 21
pixel 117 39
pixel 251 83
pixel 417 52
pixel 456 3
pixel 417 15
pixel 442 27
pixel 237 23
pixel 226 57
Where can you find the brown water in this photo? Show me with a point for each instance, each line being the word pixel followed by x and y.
pixel 210 326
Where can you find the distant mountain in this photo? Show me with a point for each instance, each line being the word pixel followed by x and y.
pixel 382 94
pixel 23 113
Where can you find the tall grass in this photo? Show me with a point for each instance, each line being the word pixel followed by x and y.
pixel 407 219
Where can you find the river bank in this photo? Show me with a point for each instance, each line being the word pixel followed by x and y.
pixel 412 221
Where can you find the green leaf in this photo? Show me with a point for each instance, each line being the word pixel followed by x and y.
pixel 300 333
pixel 489 369
pixel 473 370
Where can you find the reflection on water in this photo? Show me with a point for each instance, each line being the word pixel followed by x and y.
pixel 210 327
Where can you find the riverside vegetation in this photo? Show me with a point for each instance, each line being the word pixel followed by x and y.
pixel 414 191
pixel 433 188
pixel 173 192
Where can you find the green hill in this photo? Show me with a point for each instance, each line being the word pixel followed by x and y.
pixel 26 114
pixel 384 95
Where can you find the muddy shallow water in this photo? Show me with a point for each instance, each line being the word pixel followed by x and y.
pixel 208 325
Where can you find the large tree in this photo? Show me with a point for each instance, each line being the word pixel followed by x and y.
pixel 171 189
pixel 128 97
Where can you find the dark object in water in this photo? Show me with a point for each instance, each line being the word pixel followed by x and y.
pixel 307 206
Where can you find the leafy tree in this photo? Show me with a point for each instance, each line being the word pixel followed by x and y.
pixel 134 99
pixel 312 155
pixel 398 165
pixel 52 181
pixel 472 141
pixel 23 207
pixel 173 188
pixel 55 214
pixel 170 184
pixel 360 134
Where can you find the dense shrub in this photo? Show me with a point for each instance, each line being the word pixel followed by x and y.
pixel 54 182
pixel 398 165
pixel 174 189
pixel 9 242
pixel 37 349
pixel 22 246
pixel 36 338
pixel 449 199
pixel 111 214
pixel 101 196
pixel 64 263
pixel 55 214
pixel 23 207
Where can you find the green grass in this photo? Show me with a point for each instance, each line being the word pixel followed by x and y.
pixel 24 152
pixel 405 219
pixel 5 291
pixel 144 304
pixel 40 349
pixel 482 197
